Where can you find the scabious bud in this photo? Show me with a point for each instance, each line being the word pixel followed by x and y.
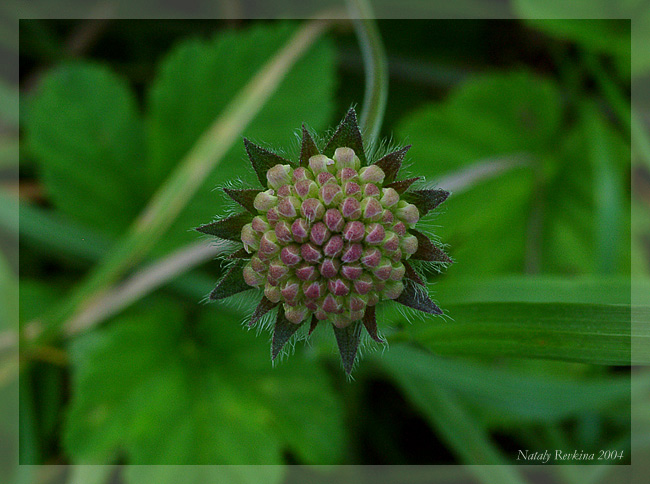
pixel 330 238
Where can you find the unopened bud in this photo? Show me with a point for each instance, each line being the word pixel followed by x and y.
pixel 375 234
pixel 290 255
pixel 300 230
pixel 354 231
pixel 389 197
pixel 296 314
pixel 279 175
pixel 265 200
pixel 250 238
pixel 319 233
pixel 306 189
pixel 272 293
pixel 283 232
pixel 408 213
pixel 397 274
pixel 409 245
pixel 312 209
pixel 371 210
pixel 320 163
pixel 372 174
pixel 383 270
pixel 393 290
pixel 345 158
pixel 251 277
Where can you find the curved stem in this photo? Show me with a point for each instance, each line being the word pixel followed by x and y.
pixel 375 67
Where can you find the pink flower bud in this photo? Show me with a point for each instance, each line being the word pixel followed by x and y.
pixel 333 246
pixel 331 194
pixel 272 293
pixel 265 200
pixel 306 272
pixel 373 299
pixel 396 256
pixel 260 225
pixel 370 190
pixel 300 230
pixel 371 210
pixel 314 289
pixel 312 209
pixel 319 164
pixel 321 315
pixel 311 305
pixel 332 304
pixel 319 233
pixel 283 232
pixel 357 315
pixel 268 245
pixel 250 238
pixel 341 320
pixel 334 220
pixel 351 209
pixel 383 270
pixel 285 191
pixel 407 213
pixel 290 255
pixel 259 265
pixel 329 268
pixel 389 197
pixel 277 271
pixel 347 174
pixel 251 277
pixel 290 290
pixel 351 271
pixel 338 287
pixel 409 245
pixel 296 314
pixel 364 284
pixel 357 302
pixel 325 178
pixel 288 207
pixel 399 228
pixel 273 216
pixel 352 253
pixel 372 174
pixel 393 290
pixel 375 234
pixel 371 257
pixel 387 217
pixel 390 242
pixel 354 231
pixel 279 175
pixel 397 274
pixel 301 173
pixel 352 189
pixel 345 158
pixel 310 253
pixel 306 189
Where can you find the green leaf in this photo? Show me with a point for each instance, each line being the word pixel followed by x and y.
pixel 587 333
pixel 308 147
pixel 348 340
pixel 195 83
pixel 282 333
pixel 510 118
pixel 370 323
pixel 245 198
pixel 514 396
pixel 85 133
pixel 427 251
pixel 426 200
pixel 402 185
pixel 263 160
pixel 158 390
pixel 392 162
pixel 416 297
pixel 262 308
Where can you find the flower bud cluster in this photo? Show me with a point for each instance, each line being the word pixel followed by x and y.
pixel 329 239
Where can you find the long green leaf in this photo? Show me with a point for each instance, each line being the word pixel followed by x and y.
pixel 588 333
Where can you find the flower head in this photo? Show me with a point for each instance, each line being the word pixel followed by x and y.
pixel 328 238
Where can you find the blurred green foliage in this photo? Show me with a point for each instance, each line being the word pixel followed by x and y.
pixel 538 226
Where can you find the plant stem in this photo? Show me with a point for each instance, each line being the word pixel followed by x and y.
pixel 183 183
pixel 375 67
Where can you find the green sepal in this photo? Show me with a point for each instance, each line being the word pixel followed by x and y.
pixel 347 135
pixel 427 251
pixel 370 322
pixel 402 185
pixel 240 254
pixel 262 308
pixel 228 228
pixel 244 197
pixel 416 297
pixel 348 339
pixel 312 325
pixel 232 283
pixel 263 160
pixel 391 163
pixel 308 147
pixel 426 200
pixel 283 331
pixel 412 274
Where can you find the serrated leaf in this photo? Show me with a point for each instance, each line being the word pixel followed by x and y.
pixel 391 163
pixel 263 160
pixel 348 135
pixel 85 133
pixel 416 297
pixel 240 254
pixel 427 251
pixel 228 228
pixel 426 200
pixel 244 197
pixel 370 323
pixel 402 185
pixel 155 392
pixel 232 283
pixel 308 147
pixel 182 106
pixel 348 340
pixel 282 333
pixel 262 308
